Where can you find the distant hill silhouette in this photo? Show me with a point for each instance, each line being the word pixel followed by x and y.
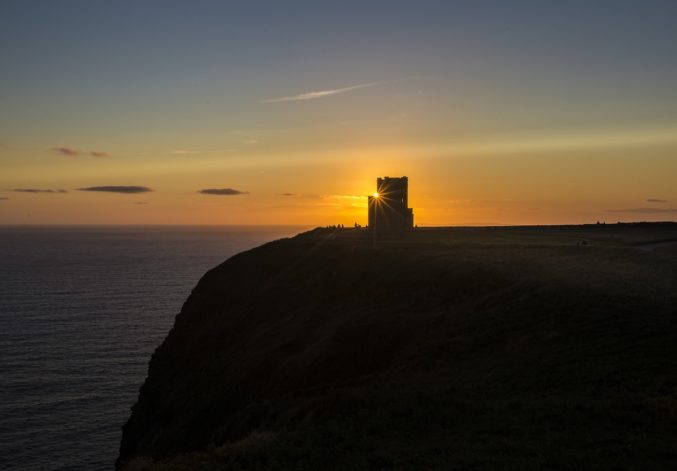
pixel 488 348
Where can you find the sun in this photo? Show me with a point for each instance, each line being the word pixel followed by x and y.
pixel 375 195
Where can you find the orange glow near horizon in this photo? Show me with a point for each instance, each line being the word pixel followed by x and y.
pixel 554 177
pixel 464 190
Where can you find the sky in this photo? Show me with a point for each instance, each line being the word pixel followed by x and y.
pixel 270 112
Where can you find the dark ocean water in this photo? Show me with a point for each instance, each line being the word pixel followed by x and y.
pixel 81 311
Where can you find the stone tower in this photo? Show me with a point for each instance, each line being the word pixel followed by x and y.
pixel 388 208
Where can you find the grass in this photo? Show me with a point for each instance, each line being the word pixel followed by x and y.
pixel 517 348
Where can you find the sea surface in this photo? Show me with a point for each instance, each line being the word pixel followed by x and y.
pixel 81 311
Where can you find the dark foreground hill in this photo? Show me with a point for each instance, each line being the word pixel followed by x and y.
pixel 517 348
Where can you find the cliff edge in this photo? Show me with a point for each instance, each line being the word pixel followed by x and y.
pixel 511 348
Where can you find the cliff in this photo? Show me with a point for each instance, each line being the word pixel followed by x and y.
pixel 488 348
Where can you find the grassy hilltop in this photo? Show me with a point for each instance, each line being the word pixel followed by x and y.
pixel 491 348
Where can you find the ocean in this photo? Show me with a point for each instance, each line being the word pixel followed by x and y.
pixel 81 311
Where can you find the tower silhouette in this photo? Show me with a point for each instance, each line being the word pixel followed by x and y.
pixel 388 208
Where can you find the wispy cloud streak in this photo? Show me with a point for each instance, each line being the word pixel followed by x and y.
pixel 70 152
pixel 65 151
pixel 563 140
pixel 128 189
pixel 37 190
pixel 321 93
pixel 222 191
pixel 198 152
pixel 186 152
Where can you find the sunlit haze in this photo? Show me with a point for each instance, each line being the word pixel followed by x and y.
pixel 210 112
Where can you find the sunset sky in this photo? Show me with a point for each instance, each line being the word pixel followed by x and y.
pixel 499 112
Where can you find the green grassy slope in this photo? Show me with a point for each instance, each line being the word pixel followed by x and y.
pixel 514 348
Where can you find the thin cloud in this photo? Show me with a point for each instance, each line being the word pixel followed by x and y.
pixel 198 152
pixel 564 140
pixel 656 200
pixel 130 189
pixel 66 151
pixel 185 152
pixel 140 202
pixel 70 152
pixel 288 194
pixel 37 190
pixel 222 191
pixel 321 93
pixel 3 198
pixel 644 210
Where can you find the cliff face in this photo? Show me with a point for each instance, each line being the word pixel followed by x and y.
pixel 438 348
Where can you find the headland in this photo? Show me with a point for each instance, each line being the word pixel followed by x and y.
pixel 547 347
